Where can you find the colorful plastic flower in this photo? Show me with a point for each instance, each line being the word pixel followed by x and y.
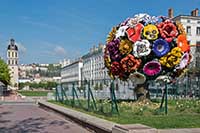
pixel 150 32
pixel 111 35
pixel 116 56
pixel 152 68
pixel 172 58
pixel 125 47
pixel 134 33
pixel 113 49
pixel 132 22
pixel 130 63
pixel 121 31
pixel 184 61
pixel 115 68
pixel 150 19
pixel 160 47
pixel 167 30
pixel 164 78
pixel 141 48
pixel 137 78
pixel 180 28
pixel 107 61
pixel 182 43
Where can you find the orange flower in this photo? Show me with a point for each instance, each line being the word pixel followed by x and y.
pixel 182 43
pixel 130 63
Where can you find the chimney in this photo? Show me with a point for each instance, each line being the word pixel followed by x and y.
pixel 192 13
pixel 196 12
pixel 170 13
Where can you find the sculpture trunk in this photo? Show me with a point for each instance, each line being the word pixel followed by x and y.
pixel 142 91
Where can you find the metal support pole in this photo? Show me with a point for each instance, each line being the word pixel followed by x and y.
pixel 166 89
pixel 114 105
pixel 56 94
pixel 94 103
pixel 88 96
pixel 62 94
pixel 199 84
pixel 73 96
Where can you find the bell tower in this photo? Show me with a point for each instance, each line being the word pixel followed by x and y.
pixel 12 61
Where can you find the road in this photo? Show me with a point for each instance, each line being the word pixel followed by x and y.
pixel 32 119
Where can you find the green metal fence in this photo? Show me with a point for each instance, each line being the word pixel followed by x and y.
pixel 103 95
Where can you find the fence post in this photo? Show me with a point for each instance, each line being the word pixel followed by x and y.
pixel 114 100
pixel 166 93
pixel 73 96
pixel 88 98
pixel 56 94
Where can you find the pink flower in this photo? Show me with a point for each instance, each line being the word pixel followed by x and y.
pixel 152 68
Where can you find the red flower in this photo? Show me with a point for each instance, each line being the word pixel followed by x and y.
pixel 167 30
pixel 116 68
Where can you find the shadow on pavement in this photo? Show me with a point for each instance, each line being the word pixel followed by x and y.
pixel 31 125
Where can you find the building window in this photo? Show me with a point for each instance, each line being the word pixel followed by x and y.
pixel 198 46
pixel 16 54
pixel 9 54
pixel 198 31
pixel 9 62
pixel 188 21
pixel 188 30
pixel 12 54
pixel 198 22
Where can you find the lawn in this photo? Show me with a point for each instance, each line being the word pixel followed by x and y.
pixel 181 113
pixel 34 93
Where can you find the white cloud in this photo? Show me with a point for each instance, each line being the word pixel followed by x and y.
pixel 58 50
pixel 21 48
pixel 29 20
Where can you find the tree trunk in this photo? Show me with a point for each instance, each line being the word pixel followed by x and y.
pixel 142 91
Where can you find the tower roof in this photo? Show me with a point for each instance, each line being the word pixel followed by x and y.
pixel 12 45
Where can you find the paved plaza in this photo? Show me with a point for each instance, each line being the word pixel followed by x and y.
pixel 31 119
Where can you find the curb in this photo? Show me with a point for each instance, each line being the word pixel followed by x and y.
pixel 17 103
pixel 96 124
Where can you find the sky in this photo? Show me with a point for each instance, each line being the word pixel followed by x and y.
pixel 47 31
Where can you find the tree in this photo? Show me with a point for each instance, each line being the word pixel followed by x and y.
pixel 4 73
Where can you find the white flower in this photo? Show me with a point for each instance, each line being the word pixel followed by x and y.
pixel 121 31
pixel 132 22
pixel 163 78
pixel 137 78
pixel 142 16
pixel 141 48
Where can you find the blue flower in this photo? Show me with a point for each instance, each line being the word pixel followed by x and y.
pixel 161 47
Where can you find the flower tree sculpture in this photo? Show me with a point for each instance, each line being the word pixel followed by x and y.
pixel 144 48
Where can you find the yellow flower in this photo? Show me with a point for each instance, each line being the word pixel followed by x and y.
pixel 111 35
pixel 125 47
pixel 111 75
pixel 180 27
pixel 172 59
pixel 107 62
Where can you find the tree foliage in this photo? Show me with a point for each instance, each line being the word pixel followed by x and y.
pixel 44 85
pixel 4 73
